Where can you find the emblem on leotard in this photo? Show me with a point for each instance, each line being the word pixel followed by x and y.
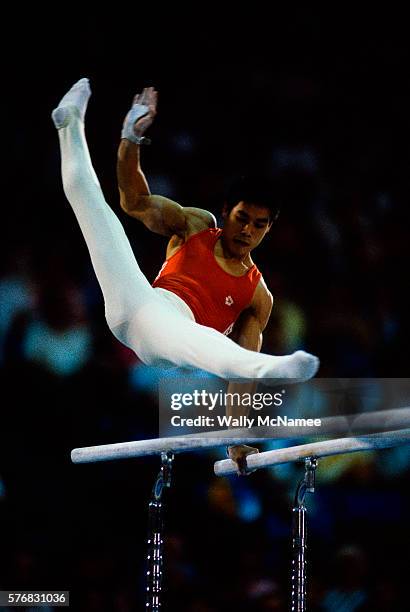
pixel 229 300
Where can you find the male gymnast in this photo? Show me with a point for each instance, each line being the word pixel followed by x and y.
pixel 208 284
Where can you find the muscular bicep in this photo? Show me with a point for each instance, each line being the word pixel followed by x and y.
pixel 166 217
pixel 160 215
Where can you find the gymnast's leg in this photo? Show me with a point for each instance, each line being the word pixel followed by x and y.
pixel 124 286
pixel 135 313
pixel 187 344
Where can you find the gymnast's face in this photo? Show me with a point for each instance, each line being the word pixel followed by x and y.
pixel 245 226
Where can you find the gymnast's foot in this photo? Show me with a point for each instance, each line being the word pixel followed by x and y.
pixel 76 98
pixel 299 367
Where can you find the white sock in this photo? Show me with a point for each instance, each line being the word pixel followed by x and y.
pixel 300 366
pixel 76 97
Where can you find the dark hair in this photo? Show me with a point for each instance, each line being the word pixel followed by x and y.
pixel 252 189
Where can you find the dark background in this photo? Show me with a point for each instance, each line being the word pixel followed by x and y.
pixel 323 104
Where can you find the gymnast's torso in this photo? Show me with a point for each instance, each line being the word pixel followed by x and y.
pixel 215 296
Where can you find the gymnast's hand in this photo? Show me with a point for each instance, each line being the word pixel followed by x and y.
pixel 238 454
pixel 148 97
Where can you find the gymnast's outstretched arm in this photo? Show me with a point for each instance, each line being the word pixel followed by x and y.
pixel 159 214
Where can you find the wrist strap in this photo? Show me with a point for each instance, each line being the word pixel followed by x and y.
pixel 139 140
pixel 137 111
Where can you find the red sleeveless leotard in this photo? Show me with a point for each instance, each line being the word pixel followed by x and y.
pixel 215 297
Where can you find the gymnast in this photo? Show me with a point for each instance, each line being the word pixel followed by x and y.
pixel 208 284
